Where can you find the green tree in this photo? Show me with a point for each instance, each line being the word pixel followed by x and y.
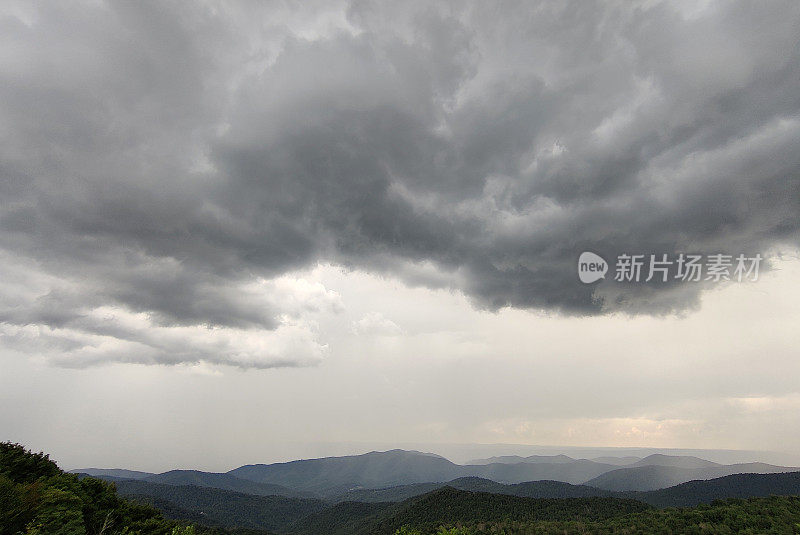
pixel 59 513
pixel 23 466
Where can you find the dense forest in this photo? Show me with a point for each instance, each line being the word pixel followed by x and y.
pixel 772 515
pixel 222 507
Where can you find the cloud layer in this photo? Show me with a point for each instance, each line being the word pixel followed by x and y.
pixel 164 165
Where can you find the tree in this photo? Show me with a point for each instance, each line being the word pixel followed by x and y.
pixel 60 513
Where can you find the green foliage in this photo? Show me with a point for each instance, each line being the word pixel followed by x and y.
pixel 453 507
pixel 58 513
pixel 344 518
pixel 219 507
pixel 22 466
pixel 37 498
pixel 773 515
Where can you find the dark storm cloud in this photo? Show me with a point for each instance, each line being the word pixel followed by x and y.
pixel 159 157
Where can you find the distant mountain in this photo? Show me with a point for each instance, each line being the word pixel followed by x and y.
pixel 225 482
pixel 642 478
pixel 734 486
pixel 575 472
pixel 653 477
pixel 617 461
pixel 677 461
pixel 515 459
pixel 682 495
pixel 333 476
pixel 395 475
pixel 224 508
pixel 115 473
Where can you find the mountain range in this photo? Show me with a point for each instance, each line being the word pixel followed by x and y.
pixel 331 477
pixel 36 493
pixel 334 475
pixel 653 477
pixel 379 491
pixel 388 508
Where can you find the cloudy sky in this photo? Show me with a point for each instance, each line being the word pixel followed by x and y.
pixel 226 228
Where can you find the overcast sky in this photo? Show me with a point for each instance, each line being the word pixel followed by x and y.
pixel 230 226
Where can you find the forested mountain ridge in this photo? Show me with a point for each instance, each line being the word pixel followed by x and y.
pixel 733 486
pixel 775 514
pixel 37 498
pixel 223 481
pixel 452 506
pixel 530 489
pixel 343 478
pixel 682 495
pixel 223 507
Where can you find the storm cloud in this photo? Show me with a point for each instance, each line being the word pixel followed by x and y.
pixel 166 167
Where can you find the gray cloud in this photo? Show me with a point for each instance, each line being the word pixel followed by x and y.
pixel 159 158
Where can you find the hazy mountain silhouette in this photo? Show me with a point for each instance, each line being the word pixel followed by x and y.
pixel 515 459
pixel 575 472
pixel 617 461
pixel 683 495
pixel 644 478
pixel 336 475
pixel 226 508
pixel 369 511
pixel 677 461
pixel 387 473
